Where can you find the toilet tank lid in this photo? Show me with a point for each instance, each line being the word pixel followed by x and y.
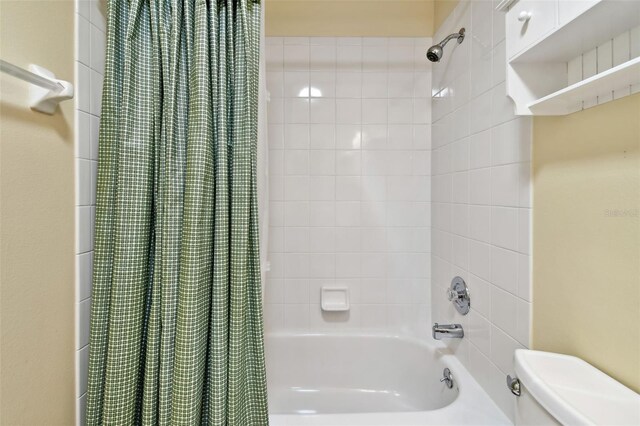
pixel 575 392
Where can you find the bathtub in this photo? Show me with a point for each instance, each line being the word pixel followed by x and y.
pixel 370 379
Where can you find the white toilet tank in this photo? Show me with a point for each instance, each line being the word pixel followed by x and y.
pixel 529 412
pixel 564 390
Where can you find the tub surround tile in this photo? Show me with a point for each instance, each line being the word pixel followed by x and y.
pixel 84 274
pixel 350 182
pixel 481 161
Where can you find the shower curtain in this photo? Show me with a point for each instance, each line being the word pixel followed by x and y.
pixel 176 316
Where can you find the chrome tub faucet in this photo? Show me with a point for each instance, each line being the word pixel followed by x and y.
pixel 452 331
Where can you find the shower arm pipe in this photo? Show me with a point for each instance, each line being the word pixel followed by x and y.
pixel 450 37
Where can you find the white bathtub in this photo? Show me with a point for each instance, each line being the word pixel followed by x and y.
pixel 372 379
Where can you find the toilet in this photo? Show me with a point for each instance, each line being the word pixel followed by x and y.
pixel 556 389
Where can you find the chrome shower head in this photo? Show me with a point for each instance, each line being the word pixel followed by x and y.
pixel 434 54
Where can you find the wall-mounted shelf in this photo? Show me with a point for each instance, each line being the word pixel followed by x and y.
pixel 564 101
pixel 587 30
pixel 547 40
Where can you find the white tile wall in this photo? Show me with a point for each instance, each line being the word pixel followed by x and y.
pixel 481 204
pixel 90 53
pixel 349 137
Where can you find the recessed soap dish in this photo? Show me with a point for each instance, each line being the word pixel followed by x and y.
pixel 334 299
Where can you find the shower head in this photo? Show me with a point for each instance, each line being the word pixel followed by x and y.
pixel 434 54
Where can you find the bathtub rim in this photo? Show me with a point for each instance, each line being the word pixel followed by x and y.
pixel 469 392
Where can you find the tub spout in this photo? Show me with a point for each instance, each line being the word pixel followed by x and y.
pixel 454 331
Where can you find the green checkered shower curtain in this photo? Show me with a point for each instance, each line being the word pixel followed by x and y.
pixel 176 316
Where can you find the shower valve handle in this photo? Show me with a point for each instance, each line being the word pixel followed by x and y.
pixel 452 295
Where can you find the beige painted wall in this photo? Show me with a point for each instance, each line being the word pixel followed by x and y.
pixel 36 223
pixel 349 18
pixel 442 9
pixel 586 237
